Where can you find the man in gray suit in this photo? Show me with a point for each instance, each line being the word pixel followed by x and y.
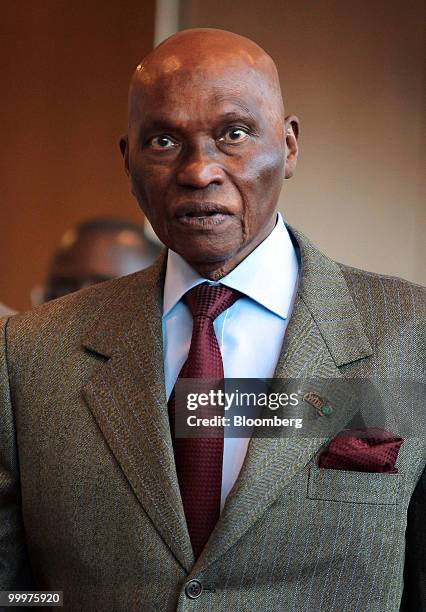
pixel 98 496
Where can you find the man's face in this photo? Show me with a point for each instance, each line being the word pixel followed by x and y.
pixel 206 157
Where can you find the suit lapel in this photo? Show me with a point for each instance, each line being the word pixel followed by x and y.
pixel 127 399
pixel 323 334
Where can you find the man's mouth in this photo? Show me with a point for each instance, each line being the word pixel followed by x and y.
pixel 206 215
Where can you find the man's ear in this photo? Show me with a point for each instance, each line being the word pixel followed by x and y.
pixel 124 148
pixel 292 128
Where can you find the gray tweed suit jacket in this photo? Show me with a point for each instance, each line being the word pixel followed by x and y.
pixel 89 499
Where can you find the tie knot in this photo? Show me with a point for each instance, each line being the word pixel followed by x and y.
pixel 210 301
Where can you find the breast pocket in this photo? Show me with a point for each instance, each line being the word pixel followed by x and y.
pixel 353 487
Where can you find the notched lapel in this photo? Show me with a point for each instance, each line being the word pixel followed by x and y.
pixel 127 399
pixel 324 333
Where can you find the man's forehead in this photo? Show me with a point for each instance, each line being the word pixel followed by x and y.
pixel 174 72
pixel 222 81
pixel 230 86
pixel 210 104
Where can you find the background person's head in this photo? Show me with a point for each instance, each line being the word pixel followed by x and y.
pixel 208 146
pixel 96 251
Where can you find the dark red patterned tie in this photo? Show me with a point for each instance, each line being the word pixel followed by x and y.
pixel 199 460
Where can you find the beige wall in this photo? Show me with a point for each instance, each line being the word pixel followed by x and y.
pixel 353 72
pixel 65 68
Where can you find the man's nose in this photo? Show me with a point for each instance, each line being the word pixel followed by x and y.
pixel 199 169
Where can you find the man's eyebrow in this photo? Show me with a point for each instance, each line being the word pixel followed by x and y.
pixel 163 125
pixel 238 116
pixel 234 101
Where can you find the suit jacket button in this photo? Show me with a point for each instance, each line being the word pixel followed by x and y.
pixel 193 589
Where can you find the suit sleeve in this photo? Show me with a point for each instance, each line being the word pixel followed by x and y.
pixel 414 596
pixel 15 572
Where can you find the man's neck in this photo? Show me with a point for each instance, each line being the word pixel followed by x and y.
pixel 216 270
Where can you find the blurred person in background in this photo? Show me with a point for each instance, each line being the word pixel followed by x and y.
pixel 94 251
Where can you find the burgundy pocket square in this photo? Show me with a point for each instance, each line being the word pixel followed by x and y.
pixel 362 450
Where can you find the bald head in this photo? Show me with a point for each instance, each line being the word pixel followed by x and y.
pixel 206 40
pixel 208 146
pixel 205 53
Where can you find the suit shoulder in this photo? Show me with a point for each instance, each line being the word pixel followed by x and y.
pixel 388 306
pixel 72 314
pixel 381 278
pixel 382 286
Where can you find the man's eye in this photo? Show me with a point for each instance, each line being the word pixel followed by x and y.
pixel 234 135
pixel 162 143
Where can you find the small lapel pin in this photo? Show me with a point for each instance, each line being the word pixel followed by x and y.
pixel 320 405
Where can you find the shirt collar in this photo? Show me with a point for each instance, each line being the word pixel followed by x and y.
pixel 273 285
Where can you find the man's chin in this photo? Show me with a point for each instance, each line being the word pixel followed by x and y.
pixel 211 260
pixel 208 240
pixel 205 257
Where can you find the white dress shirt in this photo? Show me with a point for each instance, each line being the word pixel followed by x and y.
pixel 250 333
